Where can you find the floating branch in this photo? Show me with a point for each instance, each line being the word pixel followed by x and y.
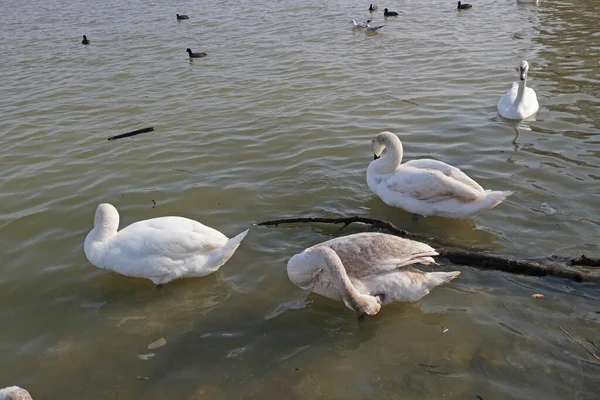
pixel 132 133
pixel 554 266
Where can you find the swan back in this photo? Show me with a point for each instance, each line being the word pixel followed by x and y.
pixel 14 393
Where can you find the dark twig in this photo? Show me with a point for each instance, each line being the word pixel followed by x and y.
pixel 579 343
pixel 558 267
pixel 132 133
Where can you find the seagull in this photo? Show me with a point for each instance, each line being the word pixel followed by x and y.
pixel 360 25
pixel 373 28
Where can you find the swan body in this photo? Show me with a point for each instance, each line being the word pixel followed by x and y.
pixel 374 28
pixel 360 25
pixel 160 249
pixel 425 187
pixel 367 270
pixel 14 393
pixel 520 101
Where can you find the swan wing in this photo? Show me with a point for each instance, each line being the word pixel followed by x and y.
pixel 371 253
pixel 430 185
pixel 446 169
pixel 173 237
pixel 506 101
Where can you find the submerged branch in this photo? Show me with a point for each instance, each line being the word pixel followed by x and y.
pixel 550 266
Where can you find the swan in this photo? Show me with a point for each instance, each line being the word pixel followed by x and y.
pixel 387 13
pixel 180 17
pixel 370 28
pixel 425 187
pixel 520 101
pixel 195 55
pixel 359 25
pixel 367 270
pixel 463 6
pixel 85 40
pixel 14 393
pixel 159 249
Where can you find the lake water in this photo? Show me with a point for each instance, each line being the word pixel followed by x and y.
pixel 276 122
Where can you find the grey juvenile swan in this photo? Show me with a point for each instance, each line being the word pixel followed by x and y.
pixel 367 270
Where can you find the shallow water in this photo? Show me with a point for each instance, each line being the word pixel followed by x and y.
pixel 276 122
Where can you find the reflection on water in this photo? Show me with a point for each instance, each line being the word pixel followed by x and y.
pixel 276 122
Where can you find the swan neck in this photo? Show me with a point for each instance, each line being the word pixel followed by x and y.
pixel 342 283
pixel 521 91
pixel 391 159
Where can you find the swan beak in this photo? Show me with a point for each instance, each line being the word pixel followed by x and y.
pixel 522 73
pixel 375 157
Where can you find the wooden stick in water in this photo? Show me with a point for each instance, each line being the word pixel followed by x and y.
pixel 132 133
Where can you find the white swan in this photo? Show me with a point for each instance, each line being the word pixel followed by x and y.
pixel 14 393
pixel 520 101
pixel 425 187
pixel 360 25
pixel 160 249
pixel 367 270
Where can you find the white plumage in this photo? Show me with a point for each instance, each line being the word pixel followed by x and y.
pixel 367 270
pixel 425 187
pixel 14 393
pixel 520 101
pixel 160 249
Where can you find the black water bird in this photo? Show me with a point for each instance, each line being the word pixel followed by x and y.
pixel 85 40
pixel 387 13
pixel 195 55
pixel 372 8
pixel 463 6
pixel 182 17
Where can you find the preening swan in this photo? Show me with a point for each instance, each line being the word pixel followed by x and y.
pixel 520 101
pixel 160 249
pixel 14 393
pixel 367 270
pixel 425 187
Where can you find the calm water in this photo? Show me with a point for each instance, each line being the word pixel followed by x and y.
pixel 276 122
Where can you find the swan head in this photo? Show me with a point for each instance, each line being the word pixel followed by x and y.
pixel 14 393
pixel 106 218
pixel 523 68
pixel 381 141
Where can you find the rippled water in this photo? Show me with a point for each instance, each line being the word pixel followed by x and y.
pixel 276 122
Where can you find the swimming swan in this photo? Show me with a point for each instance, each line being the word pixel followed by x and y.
pixel 425 187
pixel 367 270
pixel 14 393
pixel 160 249
pixel 520 101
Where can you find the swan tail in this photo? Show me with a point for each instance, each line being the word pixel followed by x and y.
pixel 232 245
pixel 492 198
pixel 439 278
